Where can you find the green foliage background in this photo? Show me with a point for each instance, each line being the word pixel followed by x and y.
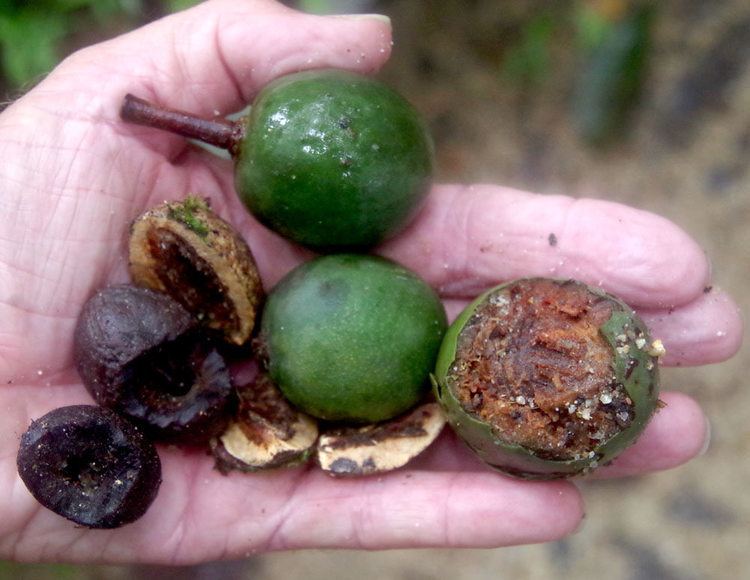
pixel 36 34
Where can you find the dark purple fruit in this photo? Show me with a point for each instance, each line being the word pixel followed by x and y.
pixel 182 392
pixel 137 352
pixel 90 466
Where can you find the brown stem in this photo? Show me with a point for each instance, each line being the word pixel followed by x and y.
pixel 218 132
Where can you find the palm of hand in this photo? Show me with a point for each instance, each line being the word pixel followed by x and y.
pixel 75 177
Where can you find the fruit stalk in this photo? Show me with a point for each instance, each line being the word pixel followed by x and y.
pixel 217 132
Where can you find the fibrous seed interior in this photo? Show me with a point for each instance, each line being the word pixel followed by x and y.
pixel 263 400
pixel 190 280
pixel 532 363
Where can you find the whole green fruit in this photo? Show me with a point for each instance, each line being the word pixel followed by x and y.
pixel 327 158
pixel 333 159
pixel 547 378
pixel 352 337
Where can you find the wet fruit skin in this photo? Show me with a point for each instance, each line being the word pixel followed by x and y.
pixel 90 466
pixel 137 352
pixel 352 337
pixel 632 369
pixel 332 159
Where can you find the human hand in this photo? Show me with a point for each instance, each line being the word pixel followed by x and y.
pixel 74 176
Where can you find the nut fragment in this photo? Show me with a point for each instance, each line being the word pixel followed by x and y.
pixel 266 433
pixel 380 447
pixel 187 251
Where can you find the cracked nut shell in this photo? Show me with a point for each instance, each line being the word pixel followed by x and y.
pixel 380 447
pixel 547 378
pixel 184 249
pixel 267 432
pixel 136 352
pixel 89 465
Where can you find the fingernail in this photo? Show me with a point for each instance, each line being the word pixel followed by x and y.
pixel 707 439
pixel 376 17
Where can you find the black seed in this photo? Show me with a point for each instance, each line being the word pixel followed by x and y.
pixel 90 466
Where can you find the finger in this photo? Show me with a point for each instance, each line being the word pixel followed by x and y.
pixel 467 239
pixel 213 58
pixel 201 515
pixel 707 330
pixel 403 509
pixel 677 433
pixel 418 509
pixel 449 453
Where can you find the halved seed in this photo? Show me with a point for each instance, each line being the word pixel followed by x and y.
pixel 185 250
pixel 380 447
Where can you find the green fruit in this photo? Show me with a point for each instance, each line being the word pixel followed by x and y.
pixel 332 159
pixel 327 158
pixel 352 337
pixel 546 378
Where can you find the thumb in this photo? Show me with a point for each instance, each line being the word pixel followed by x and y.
pixel 215 57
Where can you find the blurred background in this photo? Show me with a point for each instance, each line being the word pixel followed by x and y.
pixel 642 103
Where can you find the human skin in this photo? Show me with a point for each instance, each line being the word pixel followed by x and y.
pixel 73 177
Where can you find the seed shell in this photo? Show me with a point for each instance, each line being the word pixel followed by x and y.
pixel 184 249
pixel 380 447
